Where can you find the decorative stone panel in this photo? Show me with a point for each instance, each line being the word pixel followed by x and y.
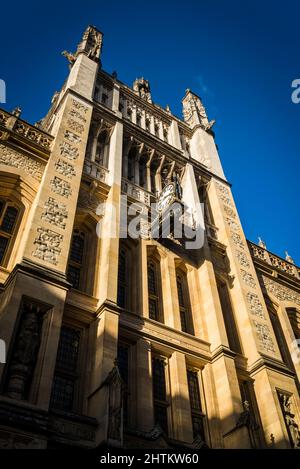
pixel 12 158
pixel 48 244
pixel 55 213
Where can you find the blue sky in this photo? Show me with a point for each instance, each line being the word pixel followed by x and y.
pixel 239 56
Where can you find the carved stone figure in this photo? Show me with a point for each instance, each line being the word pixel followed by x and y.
pixel 25 353
pixel 178 188
pixel 289 417
pixel 115 403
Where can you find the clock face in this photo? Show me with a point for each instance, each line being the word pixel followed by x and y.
pixel 166 197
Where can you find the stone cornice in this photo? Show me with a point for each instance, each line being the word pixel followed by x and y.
pixel 266 362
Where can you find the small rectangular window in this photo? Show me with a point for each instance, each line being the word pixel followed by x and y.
pixel 160 403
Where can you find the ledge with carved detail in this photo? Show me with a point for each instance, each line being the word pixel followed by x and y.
pixel 96 171
pixel 12 128
pixel 274 265
pixel 137 193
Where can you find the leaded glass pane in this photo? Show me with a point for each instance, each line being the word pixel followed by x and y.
pixel 67 354
pixel 76 254
pixel 159 379
pixel 9 219
pixel 3 246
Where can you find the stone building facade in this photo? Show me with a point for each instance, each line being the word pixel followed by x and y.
pixel 125 341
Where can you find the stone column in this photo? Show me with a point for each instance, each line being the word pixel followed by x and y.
pixel 109 228
pixel 182 421
pixel 174 134
pixel 144 392
pixel 170 301
pixel 116 98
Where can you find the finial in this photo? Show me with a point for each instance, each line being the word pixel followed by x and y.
pixel 114 75
pixel 168 109
pixel 289 258
pixel 17 111
pixel 261 243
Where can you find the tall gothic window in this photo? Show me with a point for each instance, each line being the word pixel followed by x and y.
pixel 75 265
pixel 123 365
pixel 122 279
pixel 160 402
pixel 66 370
pixel 195 403
pixel 101 156
pixel 8 221
pixel 185 318
pixel 228 315
pixel 153 292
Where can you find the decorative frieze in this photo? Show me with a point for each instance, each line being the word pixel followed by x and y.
pixel 76 126
pixel 243 259
pixel 237 240
pixel 68 151
pixel 55 213
pixel 281 292
pixel 30 166
pixel 48 245
pixel 229 211
pixel 73 138
pixel 65 169
pixel 226 200
pixel 232 224
pixel 248 278
pixel 264 337
pixel 256 307
pixel 223 189
pixel 77 115
pixel 61 187
pixel 79 106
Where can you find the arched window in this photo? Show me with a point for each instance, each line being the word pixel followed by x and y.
pixel 8 221
pixel 122 276
pixel 75 265
pixel 184 309
pixel 101 156
pixel 153 292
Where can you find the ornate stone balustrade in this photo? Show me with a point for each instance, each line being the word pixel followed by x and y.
pixel 14 125
pixel 136 192
pixel 96 171
pixel 273 260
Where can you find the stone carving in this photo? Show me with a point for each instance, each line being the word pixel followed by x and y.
pixel 243 259
pixel 256 307
pixel 264 336
pixel 47 245
pixel 248 278
pixel 78 115
pixel 31 167
pixel 79 106
pixel 222 189
pixel 25 353
pixel 258 251
pixel 88 200
pixel 72 137
pixel 226 200
pixel 237 240
pixel 229 211
pixel 142 88
pixel 55 213
pixel 193 110
pixel 233 225
pixel 61 187
pixel 289 258
pixel 280 292
pixel 115 406
pixel 70 57
pixel 91 43
pixel 65 168
pixel 76 126
pixel 68 151
pixel 261 243
pixel 289 418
